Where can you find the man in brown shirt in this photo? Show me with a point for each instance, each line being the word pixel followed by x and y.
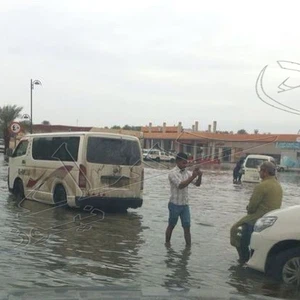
pixel 267 196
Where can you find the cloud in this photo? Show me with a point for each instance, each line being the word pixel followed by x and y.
pixel 158 61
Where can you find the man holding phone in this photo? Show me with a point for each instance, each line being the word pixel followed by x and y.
pixel 179 179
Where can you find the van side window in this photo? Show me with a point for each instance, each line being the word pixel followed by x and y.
pixel 21 149
pixel 56 148
pixel 113 151
pixel 65 148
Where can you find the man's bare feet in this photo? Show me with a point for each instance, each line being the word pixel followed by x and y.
pixel 168 244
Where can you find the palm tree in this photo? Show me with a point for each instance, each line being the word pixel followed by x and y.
pixel 8 113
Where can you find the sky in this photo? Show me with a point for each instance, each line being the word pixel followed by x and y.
pixel 105 63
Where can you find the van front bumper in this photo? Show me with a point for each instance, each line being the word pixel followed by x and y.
pixel 108 203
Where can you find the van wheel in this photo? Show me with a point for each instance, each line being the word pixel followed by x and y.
pixel 18 190
pixel 287 266
pixel 60 196
pixel 172 160
pixel 157 159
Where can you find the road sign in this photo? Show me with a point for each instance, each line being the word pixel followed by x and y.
pixel 15 127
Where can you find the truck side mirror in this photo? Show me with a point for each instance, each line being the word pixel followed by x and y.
pixel 9 152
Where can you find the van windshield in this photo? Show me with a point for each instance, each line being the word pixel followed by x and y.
pixel 113 151
pixel 254 163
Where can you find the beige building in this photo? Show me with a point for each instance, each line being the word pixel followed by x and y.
pixel 210 144
pixel 205 144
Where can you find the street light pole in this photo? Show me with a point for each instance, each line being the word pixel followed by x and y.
pixel 31 87
pixel 32 83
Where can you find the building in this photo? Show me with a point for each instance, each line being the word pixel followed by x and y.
pixel 211 144
pixel 204 144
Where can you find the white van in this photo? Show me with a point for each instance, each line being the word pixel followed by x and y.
pixel 78 168
pixel 275 245
pixel 251 167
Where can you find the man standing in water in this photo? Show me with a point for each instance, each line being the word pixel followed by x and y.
pixel 178 205
pixel 237 175
pixel 266 197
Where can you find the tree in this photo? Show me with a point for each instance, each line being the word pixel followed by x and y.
pixel 223 132
pixel 135 128
pixel 8 113
pixel 255 131
pixel 127 127
pixel 45 122
pixel 242 131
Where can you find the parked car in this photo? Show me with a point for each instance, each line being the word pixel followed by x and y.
pixel 145 153
pixel 275 245
pixel 281 168
pixel 157 155
pixel 1 145
pixel 251 165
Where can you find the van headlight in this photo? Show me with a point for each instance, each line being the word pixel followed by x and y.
pixel 264 223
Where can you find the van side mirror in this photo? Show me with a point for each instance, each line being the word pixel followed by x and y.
pixel 9 152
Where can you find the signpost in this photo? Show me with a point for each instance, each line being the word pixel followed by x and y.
pixel 15 128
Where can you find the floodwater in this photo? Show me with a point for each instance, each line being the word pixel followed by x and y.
pixel 46 247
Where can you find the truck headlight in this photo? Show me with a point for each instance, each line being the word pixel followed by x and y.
pixel 264 223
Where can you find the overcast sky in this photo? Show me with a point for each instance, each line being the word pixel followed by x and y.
pixel 105 63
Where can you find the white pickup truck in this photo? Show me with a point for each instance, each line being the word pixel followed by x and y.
pixel 157 155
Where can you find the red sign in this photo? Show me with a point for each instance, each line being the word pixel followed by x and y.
pixel 15 127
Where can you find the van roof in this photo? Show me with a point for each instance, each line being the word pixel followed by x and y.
pixel 81 133
pixel 259 156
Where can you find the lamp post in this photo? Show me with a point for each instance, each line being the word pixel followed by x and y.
pixel 32 83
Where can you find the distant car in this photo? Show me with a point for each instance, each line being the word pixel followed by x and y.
pixel 145 153
pixel 2 145
pixel 157 155
pixel 281 168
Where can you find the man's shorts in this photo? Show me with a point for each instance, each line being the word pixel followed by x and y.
pixel 182 211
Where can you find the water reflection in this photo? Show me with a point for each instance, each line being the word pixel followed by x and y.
pixel 249 282
pixel 177 265
pixel 289 178
pixel 66 250
pixel 69 241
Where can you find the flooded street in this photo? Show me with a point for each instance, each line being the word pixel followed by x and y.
pixel 42 246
